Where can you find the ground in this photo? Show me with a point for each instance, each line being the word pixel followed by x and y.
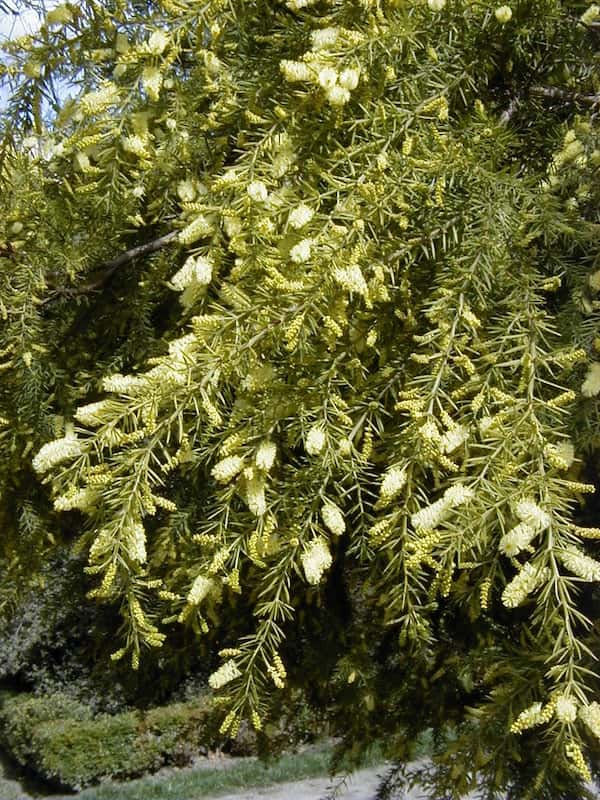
pixel 361 786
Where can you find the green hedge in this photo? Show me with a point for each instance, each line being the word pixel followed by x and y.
pixel 62 742
pixel 22 715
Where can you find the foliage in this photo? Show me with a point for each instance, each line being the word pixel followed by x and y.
pixel 60 740
pixel 45 647
pixel 21 715
pixel 301 335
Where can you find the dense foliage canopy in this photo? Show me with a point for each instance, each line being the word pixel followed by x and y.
pixel 300 349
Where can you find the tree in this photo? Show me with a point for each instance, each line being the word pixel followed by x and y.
pixel 300 334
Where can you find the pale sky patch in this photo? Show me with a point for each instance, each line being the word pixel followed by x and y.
pixel 15 25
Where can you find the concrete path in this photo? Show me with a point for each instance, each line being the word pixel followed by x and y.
pixel 360 786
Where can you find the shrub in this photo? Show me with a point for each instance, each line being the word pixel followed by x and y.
pixel 62 742
pixel 73 754
pixel 179 730
pixel 22 714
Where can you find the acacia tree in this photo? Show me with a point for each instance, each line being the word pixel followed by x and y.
pixel 300 332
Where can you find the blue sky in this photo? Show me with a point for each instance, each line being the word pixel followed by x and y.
pixel 13 25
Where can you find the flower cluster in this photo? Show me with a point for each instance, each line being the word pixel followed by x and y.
pixel 301 252
pixel 336 85
pixel 277 671
pixel 526 581
pixel 100 100
pixel 157 43
pixel 590 714
pixel 255 496
pixel 431 516
pixel 392 484
pixel 227 469
pixel 591 14
pixel 196 271
pixel 351 279
pixel 315 440
pixel 335 92
pixel 181 349
pixel 517 539
pixel 186 190
pixel 200 589
pixel 565 709
pixel 56 452
pixel 298 5
pixel 560 455
pixel 284 154
pixel 60 15
pixel 315 560
pixel 574 754
pixel 380 531
pixel 533 521
pixel 528 511
pixel 136 145
pixel 131 385
pixel 333 518
pixel 93 414
pixel 300 216
pixel 151 82
pixel 197 229
pixel 258 192
pixel 265 455
pixel 591 384
pixel 503 14
pixel 586 568
pixel 532 716
pixel 226 673
pixel 454 438
pixel 296 71
pixel 324 38
pixel 136 542
pixel 82 499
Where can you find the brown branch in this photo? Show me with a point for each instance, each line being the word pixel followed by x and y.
pixel 565 96
pixel 551 93
pixel 508 113
pixel 108 268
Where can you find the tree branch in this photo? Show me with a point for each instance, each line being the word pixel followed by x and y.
pixel 508 113
pixel 108 268
pixel 565 96
pixel 551 93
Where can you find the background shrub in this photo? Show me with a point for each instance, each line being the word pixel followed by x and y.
pixel 22 715
pixel 61 741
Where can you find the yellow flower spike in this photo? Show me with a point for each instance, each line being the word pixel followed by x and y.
pixel 575 755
